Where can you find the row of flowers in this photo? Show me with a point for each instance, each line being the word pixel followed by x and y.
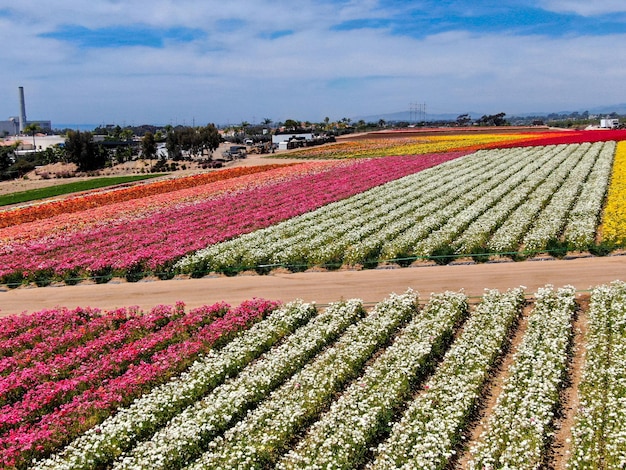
pixel 185 436
pixel 445 226
pixel 242 405
pixel 569 137
pixel 42 210
pixel 479 233
pixel 446 143
pixel 55 343
pixel 86 407
pixel 338 231
pixel 556 214
pixel 484 202
pixel 259 439
pixel 35 364
pixel 580 231
pixel 614 219
pixel 131 246
pixel 599 437
pixel 86 214
pixel 32 392
pixel 517 431
pixel 389 146
pixel 20 333
pixel 432 426
pixel 343 435
pixel 99 445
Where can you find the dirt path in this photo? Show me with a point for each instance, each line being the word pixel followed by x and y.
pixel 321 287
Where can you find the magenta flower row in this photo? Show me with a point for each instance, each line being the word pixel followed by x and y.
pixel 47 384
pixel 22 332
pixel 82 325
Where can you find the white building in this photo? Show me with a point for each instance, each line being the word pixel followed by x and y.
pixel 609 123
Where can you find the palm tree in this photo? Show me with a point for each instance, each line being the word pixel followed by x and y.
pixel 32 129
pixel 244 126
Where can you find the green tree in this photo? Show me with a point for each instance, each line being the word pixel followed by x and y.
pixel 7 156
pixel 210 138
pixel 244 125
pixel 148 146
pixel 493 120
pixel 126 135
pixel 32 129
pixel 81 150
pixel 463 120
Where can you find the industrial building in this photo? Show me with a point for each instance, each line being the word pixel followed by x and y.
pixel 15 125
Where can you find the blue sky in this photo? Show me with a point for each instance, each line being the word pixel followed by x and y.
pixel 184 62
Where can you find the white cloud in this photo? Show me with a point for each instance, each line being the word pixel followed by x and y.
pixel 585 7
pixel 236 75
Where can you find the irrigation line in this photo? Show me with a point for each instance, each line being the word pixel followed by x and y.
pixel 234 270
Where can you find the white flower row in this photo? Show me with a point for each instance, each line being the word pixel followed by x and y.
pixel 425 202
pixel 581 227
pixel 491 196
pixel 553 219
pixel 260 438
pixel 509 234
pixel 276 244
pixel 599 434
pixel 431 427
pixel 483 180
pixel 520 425
pixel 474 239
pixel 325 234
pixel 151 411
pixel 182 440
pixel 342 436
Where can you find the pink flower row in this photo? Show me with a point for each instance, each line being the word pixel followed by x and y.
pixel 82 325
pixel 83 361
pixel 21 444
pixel 165 236
pixel 50 393
pixel 65 223
pixel 21 332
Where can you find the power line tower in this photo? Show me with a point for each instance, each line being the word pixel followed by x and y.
pixel 417 112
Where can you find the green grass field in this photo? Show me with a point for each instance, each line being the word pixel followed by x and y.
pixel 58 190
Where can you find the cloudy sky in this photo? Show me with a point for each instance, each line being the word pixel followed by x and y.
pixel 228 61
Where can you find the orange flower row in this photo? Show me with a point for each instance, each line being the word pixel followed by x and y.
pixel 101 198
pixel 77 219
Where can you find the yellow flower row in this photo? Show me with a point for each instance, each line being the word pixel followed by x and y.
pixel 614 217
pixel 407 145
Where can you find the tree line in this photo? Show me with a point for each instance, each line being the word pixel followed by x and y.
pixel 91 154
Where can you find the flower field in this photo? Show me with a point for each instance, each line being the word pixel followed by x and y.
pixel 126 245
pixel 506 201
pixel 514 378
pixel 438 198
pixel 399 384
pixel 410 145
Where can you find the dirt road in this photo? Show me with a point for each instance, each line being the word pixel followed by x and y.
pixel 321 287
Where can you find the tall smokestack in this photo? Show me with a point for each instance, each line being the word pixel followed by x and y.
pixel 22 110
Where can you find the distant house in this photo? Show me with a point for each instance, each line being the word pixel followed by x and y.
pixel 609 123
pixel 286 137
